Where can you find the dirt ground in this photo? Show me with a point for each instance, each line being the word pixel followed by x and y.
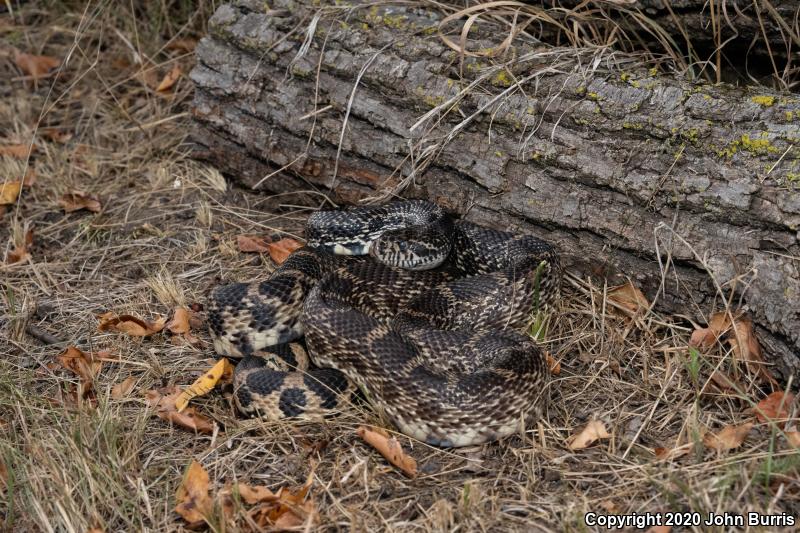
pixel 164 234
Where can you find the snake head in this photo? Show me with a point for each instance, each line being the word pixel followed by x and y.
pixel 413 248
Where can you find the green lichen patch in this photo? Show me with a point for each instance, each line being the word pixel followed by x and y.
pixel 763 100
pixel 502 78
pixel 753 145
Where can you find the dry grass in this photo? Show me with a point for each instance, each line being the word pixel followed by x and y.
pixel 666 38
pixel 166 235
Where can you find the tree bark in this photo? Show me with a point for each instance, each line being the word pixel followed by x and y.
pixel 691 191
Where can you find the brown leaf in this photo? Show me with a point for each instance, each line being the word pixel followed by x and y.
pixel 610 506
pixel 728 438
pixel 164 401
pixel 282 249
pixel 629 298
pixel 390 448
pixel 740 336
pixel 169 79
pixel 226 503
pixel 252 495
pixel 180 322
pixel 666 454
pixel 3 475
pixel 35 66
pixel 594 431
pixel 659 529
pixel 56 135
pixel 296 516
pixel 76 200
pixel 194 503
pixel 82 364
pixel 86 366
pixel 20 252
pixel 553 364
pixel 17 151
pixel 794 438
pixel 252 243
pixel 746 347
pixel 723 382
pixel 292 508
pixel 707 337
pixel 9 192
pixel 148 75
pixel 182 45
pixel 123 388
pixel 130 324
pixel 29 178
pixel 775 407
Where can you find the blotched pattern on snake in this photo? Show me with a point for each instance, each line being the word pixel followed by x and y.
pixel 422 312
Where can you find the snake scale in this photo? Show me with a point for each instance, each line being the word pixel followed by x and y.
pixel 422 312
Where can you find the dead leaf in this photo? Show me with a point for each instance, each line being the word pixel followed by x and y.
pixel 123 388
pixel 9 192
pixel 666 454
pixel 775 407
pixel 130 324
pixel 794 438
pixel 179 323
pixel 17 151
pixel 610 506
pixel 35 66
pixel 3 475
pixel 390 448
pixel 740 336
pixel 594 431
pixel 746 347
pixel 169 79
pixel 186 45
pixel 205 383
pixel 164 401
pixel 252 243
pixel 659 529
pixel 291 509
pixel 56 135
pixel 29 178
pixel 20 252
pixel 148 75
pixel 85 365
pixel 194 503
pixel 253 495
pixel 552 364
pixel 76 200
pixel 724 383
pixel 282 249
pixel 630 298
pixel 728 438
pixel 183 320
pixel 708 336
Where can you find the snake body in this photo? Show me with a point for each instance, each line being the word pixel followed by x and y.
pixel 419 311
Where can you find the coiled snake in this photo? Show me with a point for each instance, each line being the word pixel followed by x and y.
pixel 419 311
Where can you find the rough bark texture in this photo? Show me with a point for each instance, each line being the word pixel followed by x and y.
pixel 600 159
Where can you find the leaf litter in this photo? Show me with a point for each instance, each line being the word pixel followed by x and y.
pixel 284 509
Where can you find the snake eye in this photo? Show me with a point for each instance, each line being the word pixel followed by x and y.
pixel 403 246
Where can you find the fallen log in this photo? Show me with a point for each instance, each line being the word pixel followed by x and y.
pixel 728 40
pixel 692 191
